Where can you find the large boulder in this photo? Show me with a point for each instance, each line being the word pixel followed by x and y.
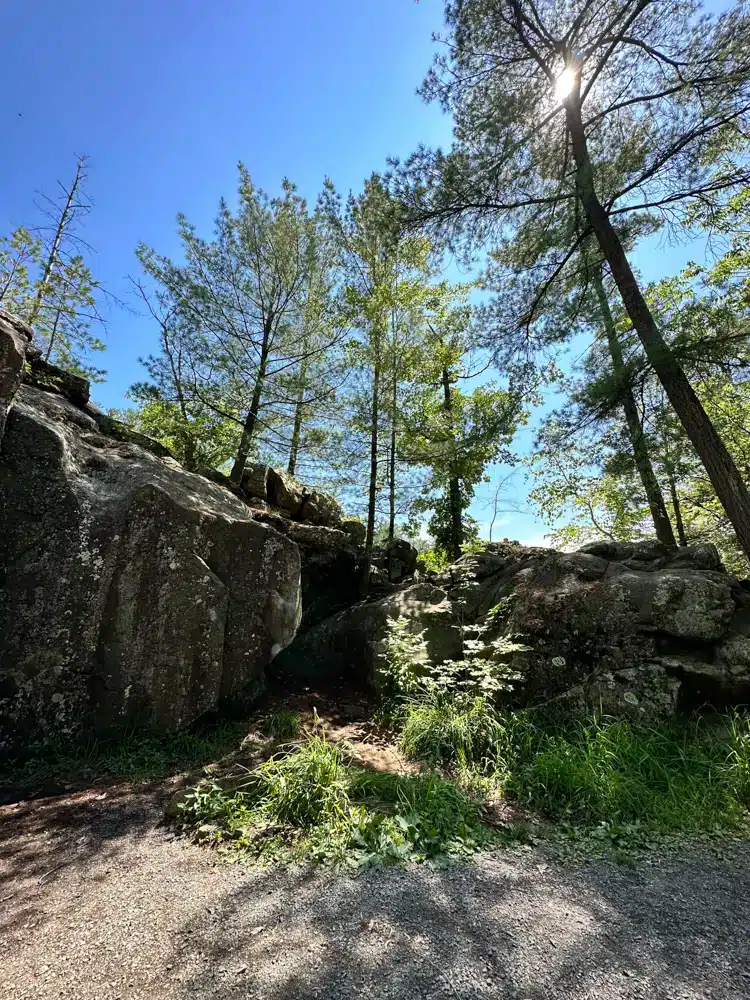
pixel 284 492
pixel 357 529
pixel 132 590
pixel 397 558
pixel 255 480
pixel 292 498
pixel 629 628
pixel 43 375
pixel 322 509
pixel 329 563
pixel 15 337
pixel 349 646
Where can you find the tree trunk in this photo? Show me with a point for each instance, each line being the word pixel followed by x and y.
pixel 52 336
pixel 392 463
pixel 55 249
pixel 454 484
pixel 677 509
pixel 364 583
pixel 11 276
pixel 297 429
pixel 657 506
pixel 718 463
pixel 251 420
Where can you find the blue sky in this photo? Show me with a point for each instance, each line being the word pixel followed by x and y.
pixel 166 96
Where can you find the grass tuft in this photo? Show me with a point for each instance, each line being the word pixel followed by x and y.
pixel 458 733
pixel 282 725
pixel 670 778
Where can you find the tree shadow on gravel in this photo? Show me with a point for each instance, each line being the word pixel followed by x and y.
pixel 515 926
pixel 94 891
pixel 44 839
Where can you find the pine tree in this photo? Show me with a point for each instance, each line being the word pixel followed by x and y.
pixel 454 433
pixel 238 304
pixel 45 279
pixel 543 95
pixel 384 275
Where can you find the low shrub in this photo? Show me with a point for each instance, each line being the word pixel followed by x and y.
pixel 484 669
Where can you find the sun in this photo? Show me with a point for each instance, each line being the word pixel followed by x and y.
pixel 565 83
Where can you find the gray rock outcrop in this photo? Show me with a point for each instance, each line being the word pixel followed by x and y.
pixel 632 629
pixel 133 591
pixel 291 498
pixel 15 337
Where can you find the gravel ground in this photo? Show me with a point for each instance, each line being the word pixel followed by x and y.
pixel 98 901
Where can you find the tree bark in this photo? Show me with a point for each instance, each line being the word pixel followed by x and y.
pixel 454 483
pixel 364 582
pixel 677 507
pixel 718 463
pixel 392 462
pixel 251 420
pixel 297 428
pixel 657 506
pixel 52 336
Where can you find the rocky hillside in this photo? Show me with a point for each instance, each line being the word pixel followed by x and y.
pixel 136 592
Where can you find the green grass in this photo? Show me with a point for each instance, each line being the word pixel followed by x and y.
pixel 132 756
pixel 673 778
pixel 459 733
pixel 282 725
pixel 311 804
pixel 616 784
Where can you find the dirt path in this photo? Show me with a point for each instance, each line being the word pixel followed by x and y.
pixel 97 901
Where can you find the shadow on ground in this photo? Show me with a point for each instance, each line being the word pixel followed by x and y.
pixel 503 927
pixel 97 901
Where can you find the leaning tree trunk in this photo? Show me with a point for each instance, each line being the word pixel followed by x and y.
pixel 454 483
pixel 54 253
pixel 718 463
pixel 53 335
pixel 251 420
pixel 656 503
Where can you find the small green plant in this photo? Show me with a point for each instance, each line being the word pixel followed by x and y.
pixel 483 671
pixel 282 725
pixel 432 561
pixel 398 675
